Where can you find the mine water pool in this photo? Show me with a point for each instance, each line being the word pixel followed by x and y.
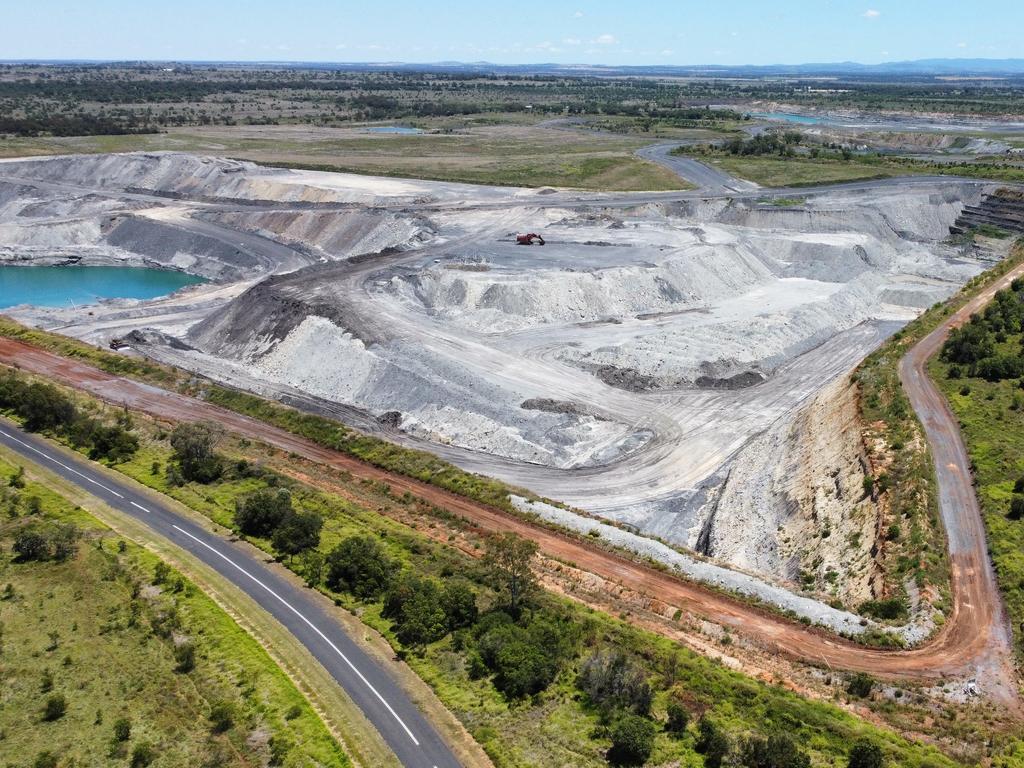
pixel 71 286
pixel 789 117
pixel 393 129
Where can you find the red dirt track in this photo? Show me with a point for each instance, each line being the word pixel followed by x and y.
pixel 974 642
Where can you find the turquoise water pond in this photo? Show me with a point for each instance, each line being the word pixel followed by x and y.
pixel 789 117
pixel 393 129
pixel 72 286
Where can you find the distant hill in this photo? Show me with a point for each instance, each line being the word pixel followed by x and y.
pixel 925 68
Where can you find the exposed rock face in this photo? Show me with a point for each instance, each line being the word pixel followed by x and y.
pixel 794 505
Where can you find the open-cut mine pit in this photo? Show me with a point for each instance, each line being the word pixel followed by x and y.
pixel 676 362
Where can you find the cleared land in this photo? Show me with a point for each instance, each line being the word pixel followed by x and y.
pixel 102 631
pixel 505 154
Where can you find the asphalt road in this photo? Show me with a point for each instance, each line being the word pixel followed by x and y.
pixel 370 686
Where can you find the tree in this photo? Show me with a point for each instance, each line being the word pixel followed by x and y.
pixel 712 742
pixel 678 718
pixel 313 567
pixel 359 565
pixel 508 561
pixel 31 545
pixel 632 740
pixel 777 751
pixel 865 755
pixel 42 406
pixel 422 619
pixel 297 532
pixel 55 707
pixel 261 512
pixel 612 680
pixel 194 447
pixel 460 608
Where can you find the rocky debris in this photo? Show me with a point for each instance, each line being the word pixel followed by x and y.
pixel 740 380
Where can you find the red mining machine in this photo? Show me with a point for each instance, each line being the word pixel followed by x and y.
pixel 529 239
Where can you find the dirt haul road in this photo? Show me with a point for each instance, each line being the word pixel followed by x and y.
pixel 973 643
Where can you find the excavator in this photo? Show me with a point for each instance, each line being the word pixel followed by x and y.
pixel 529 239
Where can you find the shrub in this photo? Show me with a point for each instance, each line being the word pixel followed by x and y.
pixel 222 717
pixel 712 742
pixel 113 442
pixel 861 685
pixel 122 729
pixel 185 657
pixel 632 740
pixel 678 718
pixel 890 609
pixel 142 755
pixel 777 751
pixel 261 512
pixel 55 708
pixel 279 749
pixel 1016 507
pixel 612 680
pixel 45 759
pixel 865 755
pixel 359 565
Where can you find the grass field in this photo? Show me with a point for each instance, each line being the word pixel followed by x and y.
pixel 96 630
pixel 508 153
pixel 555 727
pixel 774 171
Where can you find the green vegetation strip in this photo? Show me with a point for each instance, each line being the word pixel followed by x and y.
pixel 111 657
pixel 538 679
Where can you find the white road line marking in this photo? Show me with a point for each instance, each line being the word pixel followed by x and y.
pixel 139 506
pixel 60 464
pixel 311 625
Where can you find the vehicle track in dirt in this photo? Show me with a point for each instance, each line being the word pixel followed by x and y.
pixel 973 643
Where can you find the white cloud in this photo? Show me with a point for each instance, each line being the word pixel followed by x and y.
pixel 340 47
pixel 961 45
pixel 605 40
pixel 572 41
pixel 578 15
pixel 871 13
pixel 667 52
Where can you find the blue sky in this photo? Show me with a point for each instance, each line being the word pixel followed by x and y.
pixel 525 31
